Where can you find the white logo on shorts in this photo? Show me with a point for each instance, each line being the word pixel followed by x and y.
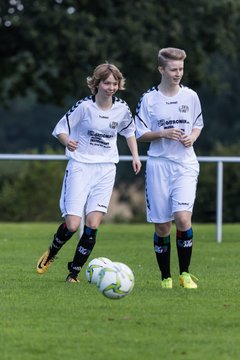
pixel 103 206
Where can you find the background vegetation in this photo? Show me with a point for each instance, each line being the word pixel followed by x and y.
pixel 49 47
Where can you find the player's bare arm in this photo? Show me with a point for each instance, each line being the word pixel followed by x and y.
pixel 70 144
pixel 189 140
pixel 172 134
pixel 136 163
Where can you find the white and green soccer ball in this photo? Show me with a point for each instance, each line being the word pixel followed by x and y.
pixel 115 280
pixel 94 268
pixel 123 267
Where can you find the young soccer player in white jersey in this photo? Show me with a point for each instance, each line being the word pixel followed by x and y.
pixel 169 116
pixel 89 132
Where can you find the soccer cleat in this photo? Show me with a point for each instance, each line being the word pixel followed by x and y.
pixel 186 281
pixel 44 263
pixel 72 279
pixel 167 283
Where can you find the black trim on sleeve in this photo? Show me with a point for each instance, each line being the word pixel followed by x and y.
pixel 141 120
pixel 67 119
pixel 198 116
pixel 126 126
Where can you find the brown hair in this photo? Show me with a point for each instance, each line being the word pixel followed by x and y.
pixel 167 54
pixel 101 73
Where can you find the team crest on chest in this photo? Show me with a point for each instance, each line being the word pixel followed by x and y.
pixel 161 122
pixel 113 125
pixel 183 109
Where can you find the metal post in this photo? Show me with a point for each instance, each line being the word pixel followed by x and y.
pixel 219 200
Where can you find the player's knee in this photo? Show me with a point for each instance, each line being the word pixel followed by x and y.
pixel 92 224
pixel 73 225
pixel 163 229
pixel 183 220
pixel 93 220
pixel 183 223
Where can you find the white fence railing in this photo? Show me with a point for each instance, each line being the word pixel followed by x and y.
pixel 216 159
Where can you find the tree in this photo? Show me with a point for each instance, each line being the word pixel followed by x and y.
pixel 50 46
pixel 205 206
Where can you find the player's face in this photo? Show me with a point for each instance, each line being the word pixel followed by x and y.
pixel 108 87
pixel 172 73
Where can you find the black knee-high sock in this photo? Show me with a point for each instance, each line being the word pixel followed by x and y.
pixel 184 249
pixel 83 250
pixel 60 238
pixel 162 248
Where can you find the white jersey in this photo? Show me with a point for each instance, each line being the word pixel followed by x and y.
pixel 96 130
pixel 156 112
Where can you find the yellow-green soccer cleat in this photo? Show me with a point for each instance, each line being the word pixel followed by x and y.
pixel 72 279
pixel 186 281
pixel 167 283
pixel 43 263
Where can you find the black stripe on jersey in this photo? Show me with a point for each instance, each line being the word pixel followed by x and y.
pixel 142 121
pixel 198 116
pixel 73 108
pixel 127 125
pixel 122 102
pixel 154 88
pixel 117 99
pixel 67 118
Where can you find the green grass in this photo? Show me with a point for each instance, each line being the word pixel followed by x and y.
pixel 42 317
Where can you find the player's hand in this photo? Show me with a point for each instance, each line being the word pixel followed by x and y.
pixel 173 134
pixel 136 164
pixel 187 140
pixel 72 145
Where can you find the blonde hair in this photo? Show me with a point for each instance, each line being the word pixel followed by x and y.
pixel 170 53
pixel 101 73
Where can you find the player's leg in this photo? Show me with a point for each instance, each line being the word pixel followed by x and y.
pixel 60 238
pixel 62 235
pixel 184 239
pixel 183 201
pixel 158 205
pixel 85 245
pixel 162 248
pixel 72 201
pixel 101 183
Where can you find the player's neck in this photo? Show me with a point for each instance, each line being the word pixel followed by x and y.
pixel 168 90
pixel 104 103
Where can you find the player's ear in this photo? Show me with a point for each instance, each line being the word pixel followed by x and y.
pixel 161 69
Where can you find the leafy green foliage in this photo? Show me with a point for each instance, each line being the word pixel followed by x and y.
pixel 205 206
pixel 30 190
pixel 49 47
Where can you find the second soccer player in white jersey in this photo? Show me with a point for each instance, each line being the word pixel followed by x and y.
pixel 169 116
pixel 89 132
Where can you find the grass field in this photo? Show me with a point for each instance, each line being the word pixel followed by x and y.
pixel 42 317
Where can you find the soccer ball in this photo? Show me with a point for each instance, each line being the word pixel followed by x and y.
pixel 94 268
pixel 123 267
pixel 115 281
